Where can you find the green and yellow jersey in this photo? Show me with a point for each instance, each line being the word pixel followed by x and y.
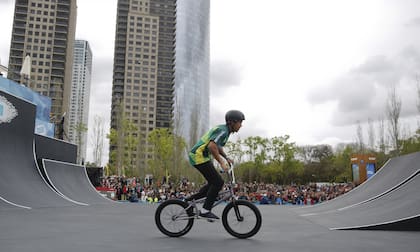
pixel 200 153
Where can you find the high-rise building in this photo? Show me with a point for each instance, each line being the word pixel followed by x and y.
pixel 79 98
pixel 3 70
pixel 144 67
pixel 191 110
pixel 45 30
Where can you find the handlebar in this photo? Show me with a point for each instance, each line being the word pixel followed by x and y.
pixel 230 173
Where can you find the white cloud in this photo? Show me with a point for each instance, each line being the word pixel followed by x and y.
pixel 362 92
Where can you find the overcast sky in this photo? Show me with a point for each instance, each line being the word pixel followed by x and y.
pixel 308 69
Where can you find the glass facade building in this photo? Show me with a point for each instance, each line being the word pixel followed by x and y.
pixel 79 98
pixel 192 94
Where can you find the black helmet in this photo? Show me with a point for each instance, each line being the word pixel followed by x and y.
pixel 234 115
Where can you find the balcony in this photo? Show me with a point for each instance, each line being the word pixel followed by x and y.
pixel 64 2
pixel 62 7
pixel 19 31
pixel 61 29
pixel 59 50
pixel 58 65
pixel 60 21
pixel 57 72
pixel 18 39
pixel 21 10
pixel 62 14
pixel 60 43
pixel 19 16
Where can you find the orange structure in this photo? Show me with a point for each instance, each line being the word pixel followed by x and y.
pixel 363 166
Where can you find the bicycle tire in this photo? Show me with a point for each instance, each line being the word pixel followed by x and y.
pixel 165 214
pixel 251 222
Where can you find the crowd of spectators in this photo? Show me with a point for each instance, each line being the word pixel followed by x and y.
pixel 135 190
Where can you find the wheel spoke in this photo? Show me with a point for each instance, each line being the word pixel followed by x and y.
pixel 247 223
pixel 244 225
pixel 172 219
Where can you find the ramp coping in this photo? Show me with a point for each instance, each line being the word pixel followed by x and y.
pixel 376 224
pixel 14 204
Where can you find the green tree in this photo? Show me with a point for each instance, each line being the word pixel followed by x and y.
pixel 341 164
pixel 411 144
pixel 393 110
pixel 125 140
pixel 318 163
pixel 166 148
pixel 284 159
pixel 256 149
pixel 117 141
pixel 235 150
pixel 131 142
pixel 98 140
pixel 80 129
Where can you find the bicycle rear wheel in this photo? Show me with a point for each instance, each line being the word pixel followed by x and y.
pixel 172 218
pixel 241 219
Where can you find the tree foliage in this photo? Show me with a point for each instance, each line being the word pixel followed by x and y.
pixel 166 148
pixel 80 129
pixel 123 156
pixel 262 160
pixel 98 140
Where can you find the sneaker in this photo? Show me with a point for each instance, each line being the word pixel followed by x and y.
pixel 208 215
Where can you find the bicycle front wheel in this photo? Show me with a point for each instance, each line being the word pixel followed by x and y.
pixel 173 218
pixel 241 219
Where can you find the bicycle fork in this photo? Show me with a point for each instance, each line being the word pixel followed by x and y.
pixel 239 217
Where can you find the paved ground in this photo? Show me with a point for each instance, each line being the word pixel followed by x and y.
pixel 130 227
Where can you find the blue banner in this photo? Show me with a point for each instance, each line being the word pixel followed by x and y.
pixel 370 170
pixel 43 105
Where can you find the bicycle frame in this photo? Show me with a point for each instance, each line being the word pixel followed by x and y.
pixel 225 195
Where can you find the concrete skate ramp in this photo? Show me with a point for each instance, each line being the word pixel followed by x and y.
pixel 396 210
pixel 72 181
pixel 395 172
pixel 21 184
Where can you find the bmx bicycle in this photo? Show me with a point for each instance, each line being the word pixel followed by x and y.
pixel 240 218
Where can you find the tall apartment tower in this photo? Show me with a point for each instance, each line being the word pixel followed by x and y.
pixel 45 30
pixel 191 110
pixel 144 66
pixel 79 99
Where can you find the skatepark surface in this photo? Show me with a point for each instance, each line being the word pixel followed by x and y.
pixel 130 227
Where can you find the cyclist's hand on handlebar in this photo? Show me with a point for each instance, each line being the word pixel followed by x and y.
pixel 225 167
pixel 230 161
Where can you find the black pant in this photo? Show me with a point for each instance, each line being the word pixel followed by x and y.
pixel 213 186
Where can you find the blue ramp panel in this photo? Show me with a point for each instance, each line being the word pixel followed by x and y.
pixel 21 184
